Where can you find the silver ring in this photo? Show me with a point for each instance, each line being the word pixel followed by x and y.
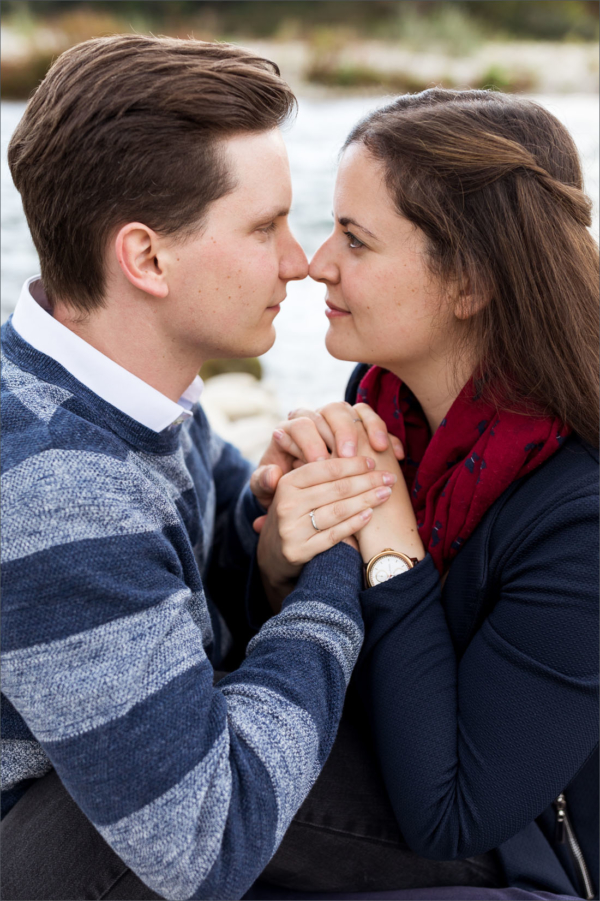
pixel 357 420
pixel 312 519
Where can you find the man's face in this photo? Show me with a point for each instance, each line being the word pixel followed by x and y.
pixel 226 283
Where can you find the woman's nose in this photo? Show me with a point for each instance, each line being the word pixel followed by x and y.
pixel 323 267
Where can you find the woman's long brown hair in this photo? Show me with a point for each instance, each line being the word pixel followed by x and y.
pixel 495 183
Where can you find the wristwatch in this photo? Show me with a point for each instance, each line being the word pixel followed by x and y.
pixel 386 565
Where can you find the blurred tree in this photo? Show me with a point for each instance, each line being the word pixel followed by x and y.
pixel 542 19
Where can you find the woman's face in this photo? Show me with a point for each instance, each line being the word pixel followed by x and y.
pixel 384 305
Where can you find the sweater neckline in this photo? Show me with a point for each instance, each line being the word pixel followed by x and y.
pixel 98 411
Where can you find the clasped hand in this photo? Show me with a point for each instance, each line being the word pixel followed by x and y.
pixel 311 466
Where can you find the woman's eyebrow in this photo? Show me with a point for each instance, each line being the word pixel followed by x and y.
pixel 345 221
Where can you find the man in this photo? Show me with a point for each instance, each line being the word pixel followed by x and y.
pixel 156 187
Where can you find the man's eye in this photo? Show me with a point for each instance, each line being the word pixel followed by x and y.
pixel 267 229
pixel 353 241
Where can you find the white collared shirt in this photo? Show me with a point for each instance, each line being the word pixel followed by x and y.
pixel 33 321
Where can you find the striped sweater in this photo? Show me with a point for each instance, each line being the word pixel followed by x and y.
pixel 110 531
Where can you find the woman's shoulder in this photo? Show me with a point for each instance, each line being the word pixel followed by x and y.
pixel 559 498
pixel 571 471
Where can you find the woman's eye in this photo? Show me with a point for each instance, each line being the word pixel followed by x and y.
pixel 353 241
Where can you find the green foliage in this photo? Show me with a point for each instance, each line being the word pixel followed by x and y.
pixel 348 75
pixel 448 26
pixel 498 79
pixel 457 23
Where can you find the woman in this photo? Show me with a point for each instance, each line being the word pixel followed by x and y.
pixel 461 271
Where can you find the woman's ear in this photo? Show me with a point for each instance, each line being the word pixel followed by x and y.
pixel 469 301
pixel 139 254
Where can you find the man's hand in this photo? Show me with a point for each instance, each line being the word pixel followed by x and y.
pixel 340 494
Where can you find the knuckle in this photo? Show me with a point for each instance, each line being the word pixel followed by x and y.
pixel 284 509
pixel 332 536
pixel 339 509
pixel 289 551
pixel 286 532
pixel 342 487
pixel 336 467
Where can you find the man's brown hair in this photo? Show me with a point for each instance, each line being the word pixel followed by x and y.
pixel 127 128
pixel 494 182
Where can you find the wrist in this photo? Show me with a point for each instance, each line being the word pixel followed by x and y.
pixel 377 536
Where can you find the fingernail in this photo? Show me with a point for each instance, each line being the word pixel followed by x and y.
pixel 366 514
pixel 389 479
pixel 370 463
pixel 278 434
pixel 348 449
pixel 382 437
pixel 319 459
pixel 383 493
pixel 291 414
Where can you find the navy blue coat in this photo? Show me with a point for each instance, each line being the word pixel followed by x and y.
pixel 483 694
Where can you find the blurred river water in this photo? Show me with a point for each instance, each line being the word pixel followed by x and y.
pixel 298 365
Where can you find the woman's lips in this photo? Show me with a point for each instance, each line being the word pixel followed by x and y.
pixel 335 312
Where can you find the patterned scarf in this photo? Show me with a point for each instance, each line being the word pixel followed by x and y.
pixel 475 454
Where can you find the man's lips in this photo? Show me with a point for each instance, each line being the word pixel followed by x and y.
pixel 335 312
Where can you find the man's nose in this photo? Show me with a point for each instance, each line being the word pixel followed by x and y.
pixel 294 265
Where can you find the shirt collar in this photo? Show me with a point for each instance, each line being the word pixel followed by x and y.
pixel 33 321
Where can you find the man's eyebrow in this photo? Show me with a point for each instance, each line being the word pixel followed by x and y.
pixel 345 221
pixel 269 215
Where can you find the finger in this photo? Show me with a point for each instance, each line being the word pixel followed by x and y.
pixel 328 538
pixel 330 515
pixel 305 434
pixel 341 420
pixel 328 471
pixel 341 489
pixel 259 523
pixel 319 421
pixel 397 447
pixel 287 444
pixel 375 426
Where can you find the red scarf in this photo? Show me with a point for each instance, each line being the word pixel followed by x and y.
pixel 475 454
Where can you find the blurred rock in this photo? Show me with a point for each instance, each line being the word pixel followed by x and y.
pixel 242 410
pixel 217 367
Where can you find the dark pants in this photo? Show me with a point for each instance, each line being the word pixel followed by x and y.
pixel 344 838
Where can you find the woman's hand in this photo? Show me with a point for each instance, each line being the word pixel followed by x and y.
pixel 341 494
pixel 311 436
pixel 395 525
pixel 336 429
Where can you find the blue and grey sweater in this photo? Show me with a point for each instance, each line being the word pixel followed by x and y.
pixel 109 531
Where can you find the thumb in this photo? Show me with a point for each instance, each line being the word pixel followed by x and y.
pixel 264 481
pixel 398 447
pixel 259 523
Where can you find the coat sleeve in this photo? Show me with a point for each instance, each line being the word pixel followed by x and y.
pixel 473 750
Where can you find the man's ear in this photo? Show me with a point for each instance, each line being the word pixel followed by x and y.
pixel 139 255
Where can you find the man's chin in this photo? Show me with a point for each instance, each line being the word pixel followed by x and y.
pixel 257 345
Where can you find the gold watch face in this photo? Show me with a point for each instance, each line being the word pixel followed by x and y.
pixel 388 566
